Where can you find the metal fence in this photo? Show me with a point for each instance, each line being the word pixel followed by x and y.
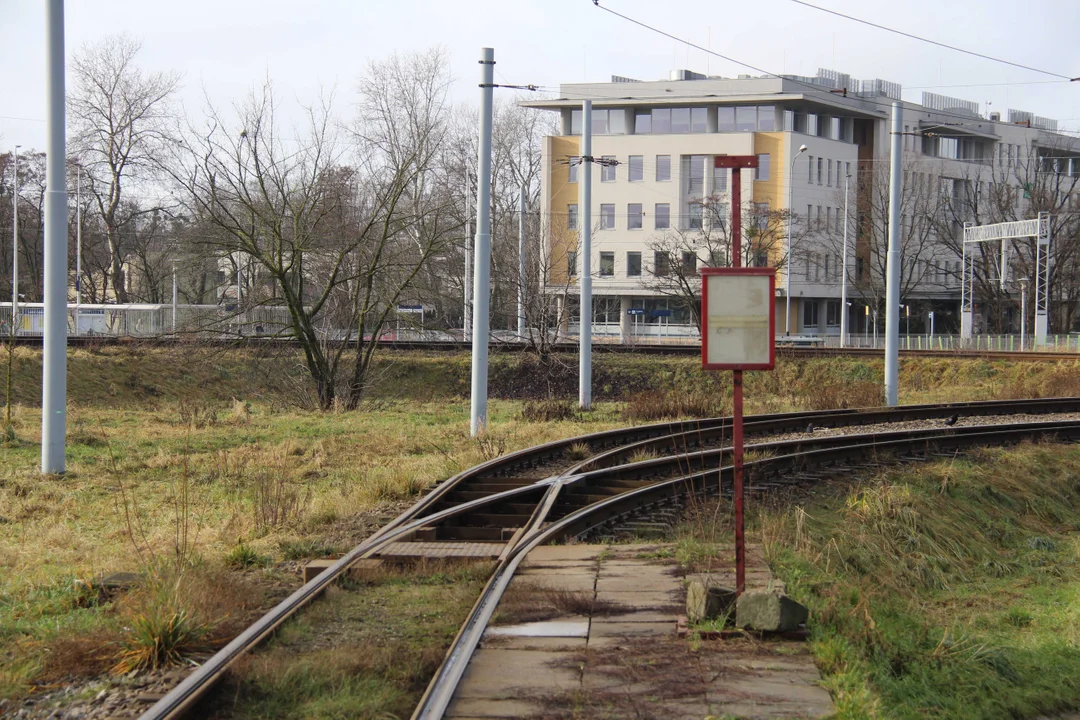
pixel 150 321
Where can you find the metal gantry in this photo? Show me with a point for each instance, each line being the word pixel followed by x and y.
pixel 1037 228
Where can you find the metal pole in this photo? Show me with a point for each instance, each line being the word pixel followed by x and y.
pixel 482 259
pixel 1023 313
pixel 791 218
pixel 843 272
pixel 174 298
pixel 585 333
pixel 78 247
pixel 521 264
pixel 54 361
pixel 737 395
pixel 892 287
pixel 467 325
pixel 15 243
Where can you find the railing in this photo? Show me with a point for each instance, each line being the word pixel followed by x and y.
pixel 149 321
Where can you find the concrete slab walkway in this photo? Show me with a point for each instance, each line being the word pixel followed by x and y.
pixel 590 631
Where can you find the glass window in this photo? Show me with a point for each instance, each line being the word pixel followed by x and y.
pixel 571 217
pixel 661 263
pixel 607 264
pixel 699 120
pixel 642 121
pixel 696 174
pixel 575 122
pixel 834 128
pixel 829 176
pixel 680 120
pixel 820 167
pixel 720 179
pixel 663 168
pixel 725 119
pixel 766 118
pixel 694 221
pixel 633 264
pixel 811 124
pixel 832 312
pixel 574 164
pixel 689 263
pixel 762 170
pixel 637 168
pixel 745 119
pixel 571 263
pixel 661 120
pixel 607 216
pixel 633 216
pixel 789 121
pixel 607 169
pixel 810 169
pixel 828 228
pixel 662 216
pixel 809 316
pixel 616 122
pixel 599 122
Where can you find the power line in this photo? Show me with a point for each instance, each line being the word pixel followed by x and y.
pixel 935 42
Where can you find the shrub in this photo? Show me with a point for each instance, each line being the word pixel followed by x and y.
pixel 670 404
pixel 549 411
pixel 243 556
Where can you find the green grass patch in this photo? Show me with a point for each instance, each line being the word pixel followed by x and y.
pixel 948 591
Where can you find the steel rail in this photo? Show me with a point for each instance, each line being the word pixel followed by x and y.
pixel 441 689
pixel 184 695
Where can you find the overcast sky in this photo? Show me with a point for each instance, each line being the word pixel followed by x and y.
pixel 226 46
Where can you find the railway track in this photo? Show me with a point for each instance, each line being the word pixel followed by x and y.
pixel 505 507
pixel 567 347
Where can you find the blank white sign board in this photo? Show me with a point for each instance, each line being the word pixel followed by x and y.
pixel 738 319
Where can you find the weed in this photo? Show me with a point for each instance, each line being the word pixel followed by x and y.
pixel 670 404
pixel 243 556
pixel 578 451
pixel 642 455
pixel 196 414
pixel 304 549
pixel 163 629
pixel 549 411
pixel 276 500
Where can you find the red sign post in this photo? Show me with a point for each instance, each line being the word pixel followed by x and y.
pixel 738 317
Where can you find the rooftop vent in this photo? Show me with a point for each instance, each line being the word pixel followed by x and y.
pixel 686 75
pixel 623 79
pixel 950 104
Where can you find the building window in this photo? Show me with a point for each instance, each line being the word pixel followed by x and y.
pixel 605 309
pixel 663 168
pixel 571 217
pixel 827 277
pixel 761 172
pixel 575 122
pixel 661 263
pixel 637 168
pixel 725 119
pixel 810 170
pixel 847 169
pixel 745 119
pixel 642 122
pixel 809 314
pixel 607 217
pixel 809 216
pixel 828 223
pixel 699 120
pixel 661 120
pixel 571 263
pixel 766 118
pixel 680 120
pixel 820 167
pixel 832 313
pixel 689 263
pixel 599 122
pixel 633 264
pixel 574 164
pixel 607 264
pixel 696 174
pixel 694 221
pixel 662 216
pixel 607 169
pixel 633 216
pixel 720 179
pixel 829 180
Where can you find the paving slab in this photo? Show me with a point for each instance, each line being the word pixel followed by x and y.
pixel 605 634
pixel 638 583
pixel 571 583
pixel 463 708
pixel 499 674
pixel 547 553
pixel 546 628
pixel 641 600
pixel 524 642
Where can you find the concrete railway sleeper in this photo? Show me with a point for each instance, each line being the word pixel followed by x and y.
pixel 513 514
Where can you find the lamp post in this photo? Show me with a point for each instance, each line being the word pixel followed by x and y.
pixel 791 217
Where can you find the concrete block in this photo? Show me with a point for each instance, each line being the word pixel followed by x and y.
pixel 707 602
pixel 769 612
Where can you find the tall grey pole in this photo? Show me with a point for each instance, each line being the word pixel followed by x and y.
pixel 15 243
pixel 54 361
pixel 482 271
pixel 892 287
pixel 78 245
pixel 521 264
pixel 585 339
pixel 174 298
pixel 843 270
pixel 466 330
pixel 787 261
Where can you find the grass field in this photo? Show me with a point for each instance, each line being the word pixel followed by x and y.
pixel 206 466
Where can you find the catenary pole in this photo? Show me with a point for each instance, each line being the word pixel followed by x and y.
pixel 843 270
pixel 15 243
pixel 482 269
pixel 892 287
pixel 788 266
pixel 585 333
pixel 467 325
pixel 54 361
pixel 78 243
pixel 521 264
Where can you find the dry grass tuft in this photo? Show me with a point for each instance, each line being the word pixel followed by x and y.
pixel 672 404
pixel 549 411
pixel 528 602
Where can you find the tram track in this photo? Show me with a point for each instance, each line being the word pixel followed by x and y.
pixel 512 503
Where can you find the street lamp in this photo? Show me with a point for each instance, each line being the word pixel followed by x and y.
pixel 791 217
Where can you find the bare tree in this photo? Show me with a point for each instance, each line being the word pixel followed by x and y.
pixel 119 118
pixel 679 253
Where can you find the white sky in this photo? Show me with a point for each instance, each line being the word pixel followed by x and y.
pixel 226 46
